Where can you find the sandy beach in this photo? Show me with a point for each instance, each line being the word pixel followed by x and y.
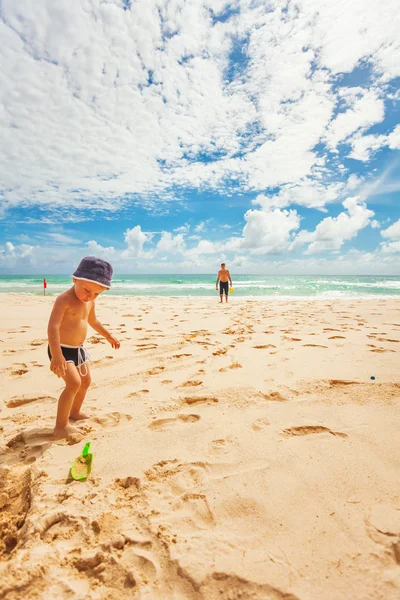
pixel 241 451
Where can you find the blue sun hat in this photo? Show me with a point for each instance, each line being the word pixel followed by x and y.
pixel 96 270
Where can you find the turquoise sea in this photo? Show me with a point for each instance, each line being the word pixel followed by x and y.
pixel 289 286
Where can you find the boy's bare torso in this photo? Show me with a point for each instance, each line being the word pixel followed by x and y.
pixel 73 328
pixel 223 275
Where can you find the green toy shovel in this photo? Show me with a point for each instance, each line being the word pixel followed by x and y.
pixel 82 465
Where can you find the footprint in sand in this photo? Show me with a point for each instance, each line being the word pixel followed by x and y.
pixel 380 350
pixel 337 337
pixel 101 361
pixel 191 383
pixel 21 400
pixel 310 429
pixel 260 424
pixel 95 339
pixel 155 370
pixel 134 394
pixel 23 368
pixel 37 342
pixel 234 365
pixel 222 446
pixel 61 525
pixel 314 345
pixel 220 352
pixel 179 477
pixel 265 346
pixel 160 424
pixel 199 510
pixel 199 400
pixel 26 447
pixel 272 397
pixel 111 419
pixel 143 347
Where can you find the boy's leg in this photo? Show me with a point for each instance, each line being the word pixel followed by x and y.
pixel 72 384
pixel 76 413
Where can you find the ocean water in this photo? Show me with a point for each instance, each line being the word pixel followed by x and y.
pixel 287 286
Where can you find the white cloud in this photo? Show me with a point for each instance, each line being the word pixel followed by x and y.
pixel 135 238
pixel 332 232
pixel 309 193
pixel 171 244
pixel 394 139
pixel 12 255
pixel 392 232
pixel 183 228
pixel 204 247
pixel 61 238
pixel 390 247
pixel 95 249
pixel 364 146
pixel 200 227
pixel 266 231
pixel 366 111
pixel 128 100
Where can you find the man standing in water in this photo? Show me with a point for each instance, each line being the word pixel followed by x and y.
pixel 223 278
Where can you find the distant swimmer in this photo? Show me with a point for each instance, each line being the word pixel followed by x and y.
pixel 224 279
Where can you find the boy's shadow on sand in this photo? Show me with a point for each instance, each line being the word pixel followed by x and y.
pixel 29 445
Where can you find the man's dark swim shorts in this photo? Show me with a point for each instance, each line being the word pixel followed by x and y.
pixel 224 287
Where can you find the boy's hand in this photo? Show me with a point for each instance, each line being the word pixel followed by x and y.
pixel 113 341
pixel 58 366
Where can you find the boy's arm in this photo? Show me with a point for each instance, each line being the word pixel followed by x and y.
pixel 216 283
pixel 97 326
pixel 58 364
pixel 230 278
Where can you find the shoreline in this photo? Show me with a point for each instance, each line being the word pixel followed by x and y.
pixel 337 296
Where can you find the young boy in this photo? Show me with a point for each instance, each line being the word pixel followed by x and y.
pixel 67 329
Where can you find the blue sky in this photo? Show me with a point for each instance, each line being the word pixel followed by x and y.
pixel 166 135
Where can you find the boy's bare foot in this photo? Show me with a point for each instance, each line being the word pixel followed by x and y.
pixel 72 434
pixel 79 416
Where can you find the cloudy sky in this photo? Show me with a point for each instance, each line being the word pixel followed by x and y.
pixel 164 135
